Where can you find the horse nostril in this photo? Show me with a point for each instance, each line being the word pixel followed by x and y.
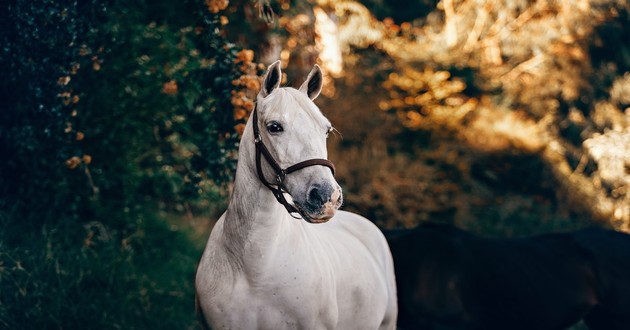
pixel 316 197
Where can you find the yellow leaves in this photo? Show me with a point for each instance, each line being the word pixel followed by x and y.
pixel 411 118
pixel 252 84
pixel 427 98
pixel 412 82
pixel 245 56
pixel 424 98
pixel 296 24
pixel 384 105
pixel 391 28
pixel 412 88
pixel 405 26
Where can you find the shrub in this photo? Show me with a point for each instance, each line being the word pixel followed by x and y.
pixel 111 112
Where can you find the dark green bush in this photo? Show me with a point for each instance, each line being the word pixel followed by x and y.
pixel 40 43
pixel 111 113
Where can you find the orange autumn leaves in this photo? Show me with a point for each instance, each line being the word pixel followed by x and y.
pixel 70 100
pixel 215 6
pixel 246 87
pixel 74 162
pixel 170 87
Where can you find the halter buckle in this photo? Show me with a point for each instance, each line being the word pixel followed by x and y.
pixel 280 177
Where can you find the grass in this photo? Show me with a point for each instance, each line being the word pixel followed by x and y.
pixel 92 277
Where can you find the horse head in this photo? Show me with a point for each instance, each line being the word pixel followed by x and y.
pixel 290 134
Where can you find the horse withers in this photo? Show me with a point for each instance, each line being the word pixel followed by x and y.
pixel 450 279
pixel 282 256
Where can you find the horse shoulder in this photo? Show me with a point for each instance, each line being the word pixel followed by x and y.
pixel 226 297
pixel 217 274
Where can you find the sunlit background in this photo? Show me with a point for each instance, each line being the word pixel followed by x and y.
pixel 120 124
pixel 510 118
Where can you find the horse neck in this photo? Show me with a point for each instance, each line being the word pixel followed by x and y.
pixel 253 217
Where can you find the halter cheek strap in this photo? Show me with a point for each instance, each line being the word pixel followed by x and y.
pixel 278 188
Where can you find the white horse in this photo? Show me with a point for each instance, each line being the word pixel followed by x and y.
pixel 262 268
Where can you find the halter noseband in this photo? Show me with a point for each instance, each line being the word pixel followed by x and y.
pixel 279 189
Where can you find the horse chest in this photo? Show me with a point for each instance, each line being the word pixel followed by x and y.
pixel 298 289
pixel 287 300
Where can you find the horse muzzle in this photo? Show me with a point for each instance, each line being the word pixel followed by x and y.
pixel 321 203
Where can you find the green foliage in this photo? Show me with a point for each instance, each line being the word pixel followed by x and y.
pixel 33 117
pixel 84 278
pixel 110 112
pixel 162 99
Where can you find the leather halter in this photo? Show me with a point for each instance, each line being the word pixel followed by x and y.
pixel 278 188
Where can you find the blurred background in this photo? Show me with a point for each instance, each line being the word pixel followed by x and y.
pixel 120 123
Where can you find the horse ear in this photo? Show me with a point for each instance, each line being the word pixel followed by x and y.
pixel 313 84
pixel 272 79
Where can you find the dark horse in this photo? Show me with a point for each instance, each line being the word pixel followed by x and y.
pixel 609 254
pixel 450 279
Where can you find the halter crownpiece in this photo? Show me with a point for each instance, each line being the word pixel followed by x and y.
pixel 278 189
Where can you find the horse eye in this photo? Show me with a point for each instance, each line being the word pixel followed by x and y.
pixel 274 127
